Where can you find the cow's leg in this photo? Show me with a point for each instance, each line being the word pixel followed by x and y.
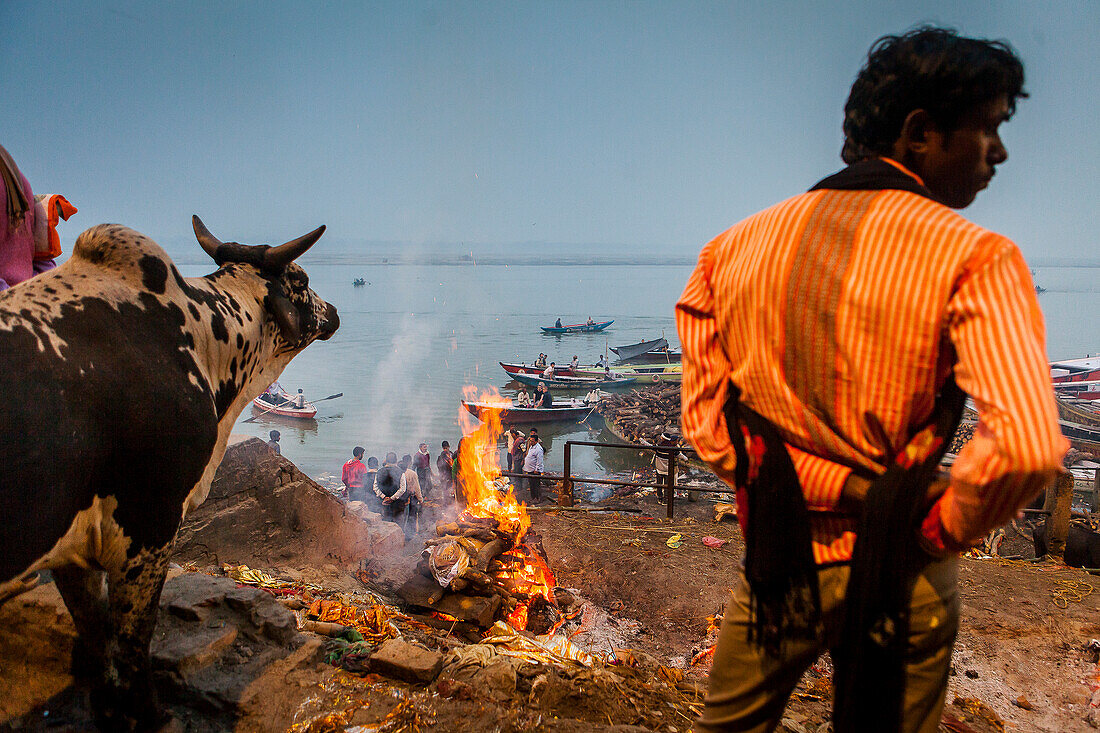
pixel 85 593
pixel 128 699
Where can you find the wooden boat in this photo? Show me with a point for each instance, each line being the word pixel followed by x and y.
pixel 285 410
pixel 1081 390
pixel 642 373
pixel 578 327
pixel 661 356
pixel 1082 412
pixel 1075 370
pixel 513 368
pixel 1081 437
pixel 632 351
pixel 534 380
pixel 562 410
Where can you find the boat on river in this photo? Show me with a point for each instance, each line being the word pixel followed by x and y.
pixel 577 327
pixel 631 351
pixel 265 405
pixel 557 382
pixel 561 410
pixel 513 368
pixel 1075 370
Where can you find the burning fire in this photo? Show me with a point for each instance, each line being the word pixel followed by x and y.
pixel 489 495
pixel 479 468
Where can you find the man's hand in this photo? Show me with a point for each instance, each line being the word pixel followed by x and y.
pixel 852 494
pixel 936 489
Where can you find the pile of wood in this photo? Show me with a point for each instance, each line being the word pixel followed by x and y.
pixel 644 416
pixel 484 589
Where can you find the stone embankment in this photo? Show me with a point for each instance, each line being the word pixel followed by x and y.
pixel 262 511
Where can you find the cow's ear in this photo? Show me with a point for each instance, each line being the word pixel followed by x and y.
pixel 286 316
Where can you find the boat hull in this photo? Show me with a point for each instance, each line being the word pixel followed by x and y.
pixel 305 413
pixel 641 374
pixel 533 380
pixel 518 415
pixel 631 351
pixel 513 368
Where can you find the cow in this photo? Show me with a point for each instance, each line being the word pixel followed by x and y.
pixel 120 382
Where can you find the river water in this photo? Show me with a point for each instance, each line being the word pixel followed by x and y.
pixel 430 323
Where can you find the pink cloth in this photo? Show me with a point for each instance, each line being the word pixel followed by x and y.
pixel 17 245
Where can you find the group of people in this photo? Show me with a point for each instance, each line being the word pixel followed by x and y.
pixel 589 322
pixel 276 395
pixel 396 489
pixel 541 399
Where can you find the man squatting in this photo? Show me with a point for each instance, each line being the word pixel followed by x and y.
pixel 827 334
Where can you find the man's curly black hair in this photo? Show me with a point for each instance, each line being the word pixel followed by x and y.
pixel 928 68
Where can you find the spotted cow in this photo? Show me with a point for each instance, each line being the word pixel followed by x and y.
pixel 120 381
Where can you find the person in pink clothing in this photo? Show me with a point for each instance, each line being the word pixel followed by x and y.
pixel 29 244
pixel 24 230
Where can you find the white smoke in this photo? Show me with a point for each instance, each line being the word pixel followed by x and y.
pixel 396 418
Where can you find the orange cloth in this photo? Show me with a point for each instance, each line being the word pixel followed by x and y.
pixel 838 313
pixel 57 206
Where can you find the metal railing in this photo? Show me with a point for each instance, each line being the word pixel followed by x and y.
pixel 667 487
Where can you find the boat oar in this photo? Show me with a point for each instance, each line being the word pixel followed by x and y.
pixel 275 407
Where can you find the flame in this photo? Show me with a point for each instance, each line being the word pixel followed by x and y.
pixel 488 495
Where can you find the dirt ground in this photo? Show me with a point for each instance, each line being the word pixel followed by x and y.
pixel 1023 648
pixel 1022 661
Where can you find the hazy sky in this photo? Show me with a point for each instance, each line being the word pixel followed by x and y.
pixel 656 125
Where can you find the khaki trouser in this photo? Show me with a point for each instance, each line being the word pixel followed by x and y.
pixel 749 690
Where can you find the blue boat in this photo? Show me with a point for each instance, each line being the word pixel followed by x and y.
pixel 534 380
pixel 578 327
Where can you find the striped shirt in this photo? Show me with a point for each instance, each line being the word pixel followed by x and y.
pixel 839 314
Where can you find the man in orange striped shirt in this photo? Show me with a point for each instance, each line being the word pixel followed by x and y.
pixel 837 316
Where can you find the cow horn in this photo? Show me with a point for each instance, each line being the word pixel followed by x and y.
pixel 279 257
pixel 209 242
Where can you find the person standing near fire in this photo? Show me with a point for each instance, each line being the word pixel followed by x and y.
pixel 387 487
pixel 816 336
pixel 532 464
pixel 414 497
pixel 354 476
pixel 443 465
pixel 423 464
pixel 511 437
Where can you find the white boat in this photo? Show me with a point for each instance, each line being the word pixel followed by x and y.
pixel 284 409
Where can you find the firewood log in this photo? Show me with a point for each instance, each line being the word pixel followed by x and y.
pixel 488 553
pixel 476 577
pixel 446 529
pixel 471 545
pixel 436 594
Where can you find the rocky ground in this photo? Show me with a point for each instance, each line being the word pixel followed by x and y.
pixel 230 654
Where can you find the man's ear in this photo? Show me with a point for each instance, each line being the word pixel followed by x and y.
pixel 917 132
